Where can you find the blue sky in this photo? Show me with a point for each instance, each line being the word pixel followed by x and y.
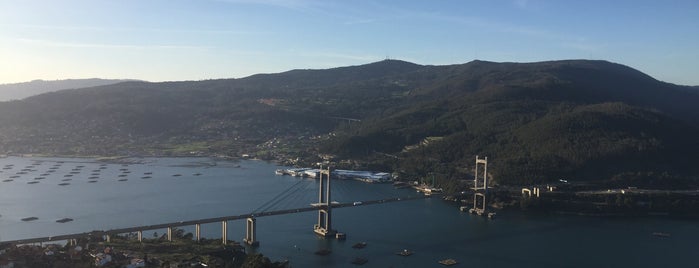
pixel 171 40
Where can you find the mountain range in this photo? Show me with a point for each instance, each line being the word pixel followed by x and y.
pixel 584 120
pixel 19 91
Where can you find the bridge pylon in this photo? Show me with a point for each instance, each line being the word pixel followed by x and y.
pixel 251 232
pixel 324 225
pixel 480 188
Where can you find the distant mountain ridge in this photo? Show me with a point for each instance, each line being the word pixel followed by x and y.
pixel 17 91
pixel 537 122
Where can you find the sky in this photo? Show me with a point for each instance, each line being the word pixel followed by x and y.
pixel 175 40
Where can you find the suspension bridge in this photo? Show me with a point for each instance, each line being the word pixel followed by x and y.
pixel 323 227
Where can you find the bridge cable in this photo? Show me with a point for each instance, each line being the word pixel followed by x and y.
pixel 276 197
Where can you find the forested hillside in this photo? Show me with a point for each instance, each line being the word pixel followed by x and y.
pixel 537 122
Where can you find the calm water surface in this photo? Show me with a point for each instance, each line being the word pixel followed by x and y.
pixel 158 190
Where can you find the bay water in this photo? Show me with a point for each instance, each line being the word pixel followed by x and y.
pixel 101 195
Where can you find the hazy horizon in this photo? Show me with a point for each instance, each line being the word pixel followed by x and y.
pixel 213 39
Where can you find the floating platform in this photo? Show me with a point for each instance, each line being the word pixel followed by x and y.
pixel 359 245
pixel 359 261
pixel 323 252
pixel 448 262
pixel 661 234
pixel 404 253
pixel 64 220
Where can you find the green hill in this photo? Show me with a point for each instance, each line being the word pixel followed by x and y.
pixel 537 122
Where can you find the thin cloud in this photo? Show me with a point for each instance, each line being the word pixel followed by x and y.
pixel 104 46
pixel 360 21
pixel 298 5
pixel 134 29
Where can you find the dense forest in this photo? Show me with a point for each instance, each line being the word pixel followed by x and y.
pixel 581 120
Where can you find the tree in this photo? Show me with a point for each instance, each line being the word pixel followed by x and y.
pixel 256 261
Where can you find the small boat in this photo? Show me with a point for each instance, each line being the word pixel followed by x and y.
pixel 93 177
pixel 448 262
pixel 177 175
pixel 359 261
pixel 146 177
pixel 63 184
pixel 30 219
pixel 39 178
pixel 196 174
pixel 123 179
pixel 68 175
pixel 91 181
pixel 66 179
pixel 359 245
pixel 122 175
pixel 404 253
pixel 147 173
pixel 14 177
pixel 64 220
pixel 32 182
pixel 7 180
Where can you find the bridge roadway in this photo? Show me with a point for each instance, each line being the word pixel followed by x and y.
pixel 100 233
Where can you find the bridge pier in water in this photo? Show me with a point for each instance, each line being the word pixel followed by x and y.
pixel 169 234
pixel 324 225
pixel 224 232
pixel 197 232
pixel 251 232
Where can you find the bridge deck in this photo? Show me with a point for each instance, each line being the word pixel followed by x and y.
pixel 199 221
